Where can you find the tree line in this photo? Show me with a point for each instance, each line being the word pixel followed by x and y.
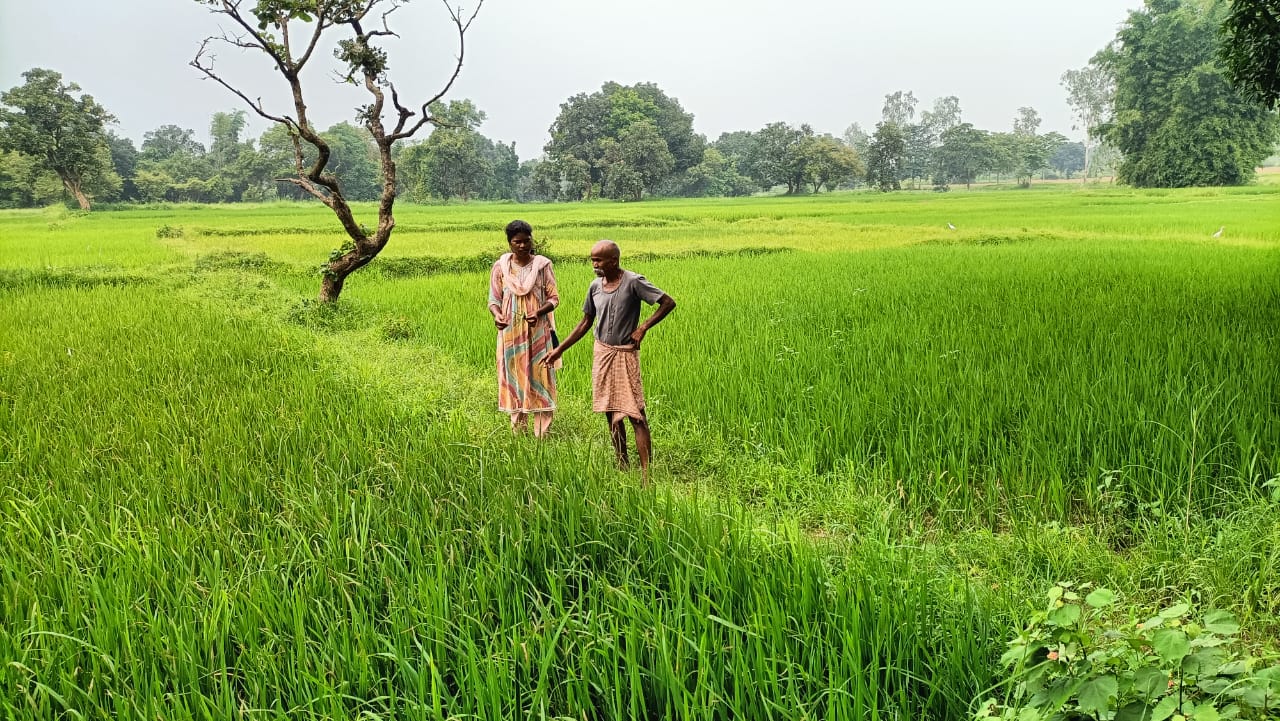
pixel 1155 105
pixel 621 142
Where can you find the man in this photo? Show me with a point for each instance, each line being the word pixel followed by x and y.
pixel 614 300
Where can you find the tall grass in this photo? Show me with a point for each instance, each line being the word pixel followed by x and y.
pixel 201 522
pixel 218 501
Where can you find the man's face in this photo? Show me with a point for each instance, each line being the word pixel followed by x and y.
pixel 603 262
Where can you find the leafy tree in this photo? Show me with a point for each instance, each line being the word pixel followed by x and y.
pixel 42 119
pixel 716 176
pixel 885 157
pixel 1090 93
pixel 855 137
pixel 412 174
pixel 591 126
pixel 899 108
pixel 637 161
pixel 167 141
pixel 353 159
pixel 1250 50
pixel 288 32
pixel 1031 152
pixel 736 146
pixel 228 155
pixel 1068 159
pixel 1005 150
pixel 1027 121
pixel 777 156
pixel 965 152
pixel 829 162
pixel 124 159
pixel 505 164
pixel 1177 120
pixel 269 168
pixel 24 181
pixel 539 180
pixel 945 115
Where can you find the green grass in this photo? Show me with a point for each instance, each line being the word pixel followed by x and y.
pixel 875 452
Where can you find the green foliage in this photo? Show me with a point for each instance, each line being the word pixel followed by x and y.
pixel 1176 119
pixel 398 328
pixel 43 120
pixel 169 231
pixel 777 156
pixel 885 157
pixel 353 159
pixel 1250 50
pixel 1079 658
pixel 905 433
pixel 830 163
pixel 964 153
pixel 624 139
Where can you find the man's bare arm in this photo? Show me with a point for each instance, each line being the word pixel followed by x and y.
pixel 666 304
pixel 579 330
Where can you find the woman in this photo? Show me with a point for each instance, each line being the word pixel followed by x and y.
pixel 522 300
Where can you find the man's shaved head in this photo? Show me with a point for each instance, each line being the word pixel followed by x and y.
pixel 606 249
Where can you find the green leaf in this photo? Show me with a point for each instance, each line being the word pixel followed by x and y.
pixel 1134 711
pixel 1101 597
pixel 1171 644
pixel 1175 611
pixel 1205 712
pixel 1017 653
pixel 1096 694
pixel 1214 686
pixel 1165 708
pixel 1222 622
pixel 1065 616
pixel 1150 682
pixel 1232 668
pixel 1203 662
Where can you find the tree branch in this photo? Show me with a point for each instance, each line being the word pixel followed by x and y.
pixel 208 71
pixel 462 27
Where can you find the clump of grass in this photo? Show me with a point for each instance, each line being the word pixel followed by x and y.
pixel 326 317
pixel 398 328
pixel 236 260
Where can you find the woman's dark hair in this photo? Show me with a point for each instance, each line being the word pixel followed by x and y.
pixel 517 227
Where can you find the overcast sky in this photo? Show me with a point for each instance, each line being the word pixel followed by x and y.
pixel 734 64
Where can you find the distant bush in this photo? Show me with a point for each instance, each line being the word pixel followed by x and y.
pixel 169 231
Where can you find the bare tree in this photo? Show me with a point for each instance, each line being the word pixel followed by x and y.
pixel 288 33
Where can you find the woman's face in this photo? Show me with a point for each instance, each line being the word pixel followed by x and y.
pixel 521 244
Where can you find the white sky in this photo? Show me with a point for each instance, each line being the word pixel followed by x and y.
pixel 734 64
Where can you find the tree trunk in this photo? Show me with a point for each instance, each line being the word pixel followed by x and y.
pixel 73 187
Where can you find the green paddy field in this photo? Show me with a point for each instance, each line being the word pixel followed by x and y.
pixel 879 442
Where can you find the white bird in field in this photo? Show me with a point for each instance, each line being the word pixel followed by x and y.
pixel 1219 233
pixel 950 226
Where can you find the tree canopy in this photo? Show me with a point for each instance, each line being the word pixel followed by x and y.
pixel 627 139
pixel 1176 119
pixel 44 120
pixel 1250 50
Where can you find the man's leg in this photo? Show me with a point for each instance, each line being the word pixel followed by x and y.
pixel 518 422
pixel 618 434
pixel 644 444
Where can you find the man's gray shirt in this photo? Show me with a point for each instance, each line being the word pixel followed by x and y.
pixel 617 313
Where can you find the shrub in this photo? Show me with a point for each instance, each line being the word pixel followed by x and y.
pixel 1081 660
